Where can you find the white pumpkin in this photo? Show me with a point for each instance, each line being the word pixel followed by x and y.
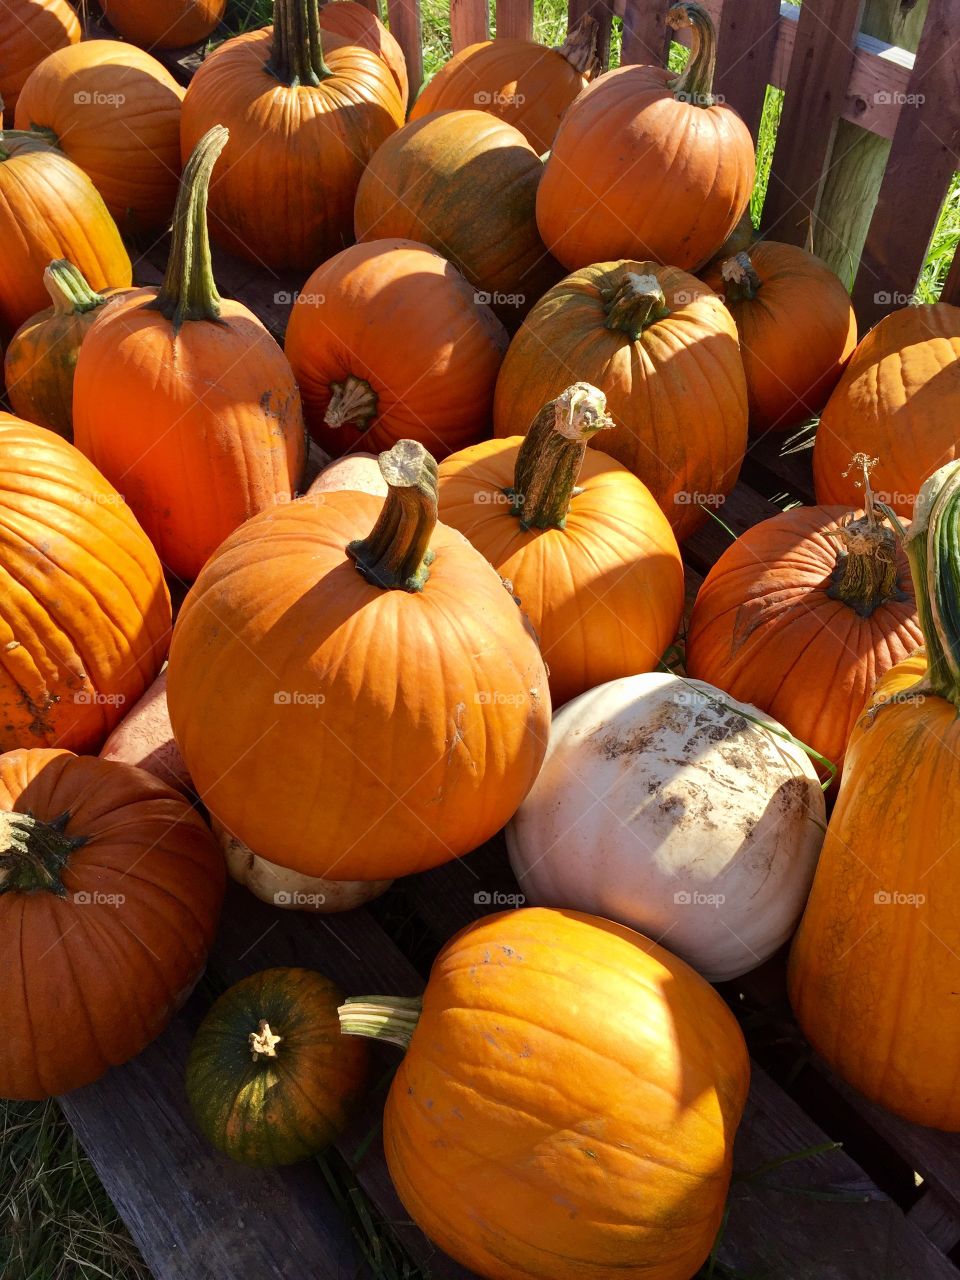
pixel 660 806
pixel 290 889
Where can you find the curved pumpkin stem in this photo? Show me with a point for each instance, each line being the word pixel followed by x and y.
pixel 189 291
pixel 33 854
pixel 390 1018
pixel 933 549
pixel 296 57
pixel 695 82
pixel 635 304
pixel 740 277
pixel 396 555
pixel 866 573
pixel 580 46
pixel 551 456
pixel 15 141
pixel 68 289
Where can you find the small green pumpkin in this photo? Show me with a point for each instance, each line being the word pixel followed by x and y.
pixel 270 1079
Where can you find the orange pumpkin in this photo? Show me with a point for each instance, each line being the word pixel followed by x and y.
pixel 894 402
pixel 86 615
pixel 387 343
pixel 50 209
pixel 303 125
pixel 110 890
pixel 42 356
pixel 465 184
pixel 875 966
pixel 797 329
pixel 648 165
pixel 115 111
pixel 30 30
pixel 802 615
pixel 356 23
pixel 588 552
pixel 664 352
pixel 518 81
pixel 186 401
pixel 335 639
pixel 164 24
pixel 567 1102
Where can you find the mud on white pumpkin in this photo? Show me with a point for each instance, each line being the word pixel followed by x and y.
pixel 660 806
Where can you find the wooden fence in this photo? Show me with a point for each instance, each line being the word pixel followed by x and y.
pixel 867 127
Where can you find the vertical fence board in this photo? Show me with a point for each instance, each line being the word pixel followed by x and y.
pixel 405 25
pixel 469 23
pixel 515 19
pixel 602 11
pixel 922 162
pixel 746 41
pixel 951 286
pixel 820 68
pixel 644 32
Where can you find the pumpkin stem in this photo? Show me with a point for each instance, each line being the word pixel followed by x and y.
pixel 933 549
pixel 695 82
pixel 33 854
pixel 580 46
pixel 390 1018
pixel 189 291
pixel 263 1043
pixel 68 289
pixel 866 575
pixel 13 141
pixel 634 304
pixel 740 277
pixel 551 456
pixel 296 56
pixel 396 554
pixel 352 400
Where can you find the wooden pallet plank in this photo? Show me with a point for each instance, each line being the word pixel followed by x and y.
pixel 743 508
pixel 746 43
pixel 515 19
pixel 193 1214
pixel 922 162
pixel 645 33
pixel 469 23
pixel 951 286
pixel 937 1220
pixel 782 461
pixel 820 71
pixel 404 19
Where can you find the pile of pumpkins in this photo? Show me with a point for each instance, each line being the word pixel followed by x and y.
pixel 535 374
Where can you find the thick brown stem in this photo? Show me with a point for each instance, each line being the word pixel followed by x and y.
pixel 263 1043
pixel 866 574
pixel 396 555
pixel 580 47
pixel 740 277
pixel 353 400
pixel 296 56
pixel 633 305
pixel 551 456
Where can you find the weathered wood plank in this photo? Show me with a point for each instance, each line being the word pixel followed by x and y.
pixel 404 19
pixel 469 23
pixel 951 286
pixel 782 460
pixel 744 507
pixel 645 33
pixel 194 1214
pixel 746 42
pixel 515 19
pixel 820 71
pixel 937 1220
pixel 922 162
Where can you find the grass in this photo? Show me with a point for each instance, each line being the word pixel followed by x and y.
pixel 56 1221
